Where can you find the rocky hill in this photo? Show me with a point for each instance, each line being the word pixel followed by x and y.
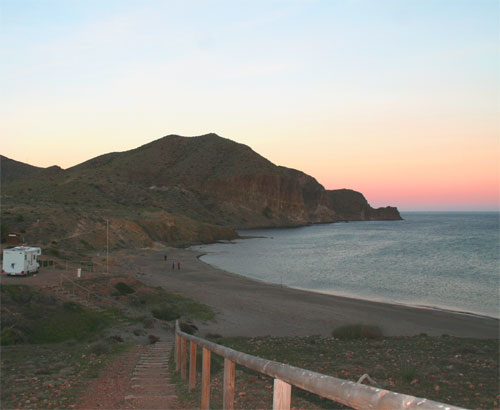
pixel 176 190
pixel 11 169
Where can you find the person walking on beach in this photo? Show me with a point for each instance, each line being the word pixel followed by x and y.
pixel 178 265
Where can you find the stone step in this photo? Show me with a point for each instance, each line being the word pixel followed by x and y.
pixel 162 386
pixel 136 396
pixel 151 378
pixel 152 369
pixel 152 364
pixel 146 379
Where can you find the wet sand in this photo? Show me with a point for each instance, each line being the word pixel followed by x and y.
pixel 246 307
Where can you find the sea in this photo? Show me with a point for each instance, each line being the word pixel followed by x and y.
pixel 438 260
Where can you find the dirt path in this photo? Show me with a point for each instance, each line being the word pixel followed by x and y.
pixel 108 391
pixel 139 379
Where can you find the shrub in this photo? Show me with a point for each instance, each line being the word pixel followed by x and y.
pixel 213 336
pixel 72 307
pixel 166 313
pixel 100 348
pixel 267 212
pixel 357 331
pixel 123 288
pixel 153 339
pixel 148 323
pixel 11 336
pixel 53 252
pixel 188 328
pixel 408 372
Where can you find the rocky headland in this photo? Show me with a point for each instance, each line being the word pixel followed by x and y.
pixel 175 190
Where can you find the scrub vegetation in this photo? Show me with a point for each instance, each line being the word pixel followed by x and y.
pixel 52 348
pixel 462 372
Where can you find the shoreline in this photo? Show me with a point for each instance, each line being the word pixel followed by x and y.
pixel 409 305
pixel 248 307
pixel 341 295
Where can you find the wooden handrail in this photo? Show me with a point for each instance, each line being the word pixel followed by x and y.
pixel 355 395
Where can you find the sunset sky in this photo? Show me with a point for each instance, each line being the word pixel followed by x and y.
pixel 396 99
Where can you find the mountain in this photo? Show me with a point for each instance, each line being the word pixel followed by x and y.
pixel 11 169
pixel 177 190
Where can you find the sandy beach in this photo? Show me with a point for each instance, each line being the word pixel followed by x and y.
pixel 246 307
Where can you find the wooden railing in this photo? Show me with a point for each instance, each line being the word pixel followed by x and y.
pixel 355 395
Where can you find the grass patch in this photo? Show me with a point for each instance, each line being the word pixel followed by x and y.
pixel 66 324
pixel 157 301
pixel 357 331
pixel 17 293
pixel 30 316
pixel 169 306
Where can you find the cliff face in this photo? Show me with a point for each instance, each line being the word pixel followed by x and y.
pixel 352 206
pixel 179 190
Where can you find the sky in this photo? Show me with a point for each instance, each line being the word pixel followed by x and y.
pixel 396 99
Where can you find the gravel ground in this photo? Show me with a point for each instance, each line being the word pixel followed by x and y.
pixel 108 391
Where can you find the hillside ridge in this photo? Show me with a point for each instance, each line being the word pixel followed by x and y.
pixel 174 190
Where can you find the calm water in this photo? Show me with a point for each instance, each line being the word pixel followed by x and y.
pixel 442 260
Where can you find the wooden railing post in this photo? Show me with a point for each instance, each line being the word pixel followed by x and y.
pixel 282 395
pixel 228 394
pixel 192 365
pixel 177 352
pixel 205 380
pixel 183 359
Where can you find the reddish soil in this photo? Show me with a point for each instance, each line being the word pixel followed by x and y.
pixel 113 388
pixel 108 391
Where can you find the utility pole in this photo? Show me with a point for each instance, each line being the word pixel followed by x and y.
pixel 107 244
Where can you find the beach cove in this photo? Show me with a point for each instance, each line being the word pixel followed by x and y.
pixel 246 307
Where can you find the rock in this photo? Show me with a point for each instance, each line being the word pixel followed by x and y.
pixel 66 371
pixel 148 323
pixel 153 339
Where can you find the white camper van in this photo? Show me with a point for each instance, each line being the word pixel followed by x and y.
pixel 20 260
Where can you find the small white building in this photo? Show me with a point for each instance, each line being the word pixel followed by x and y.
pixel 21 260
